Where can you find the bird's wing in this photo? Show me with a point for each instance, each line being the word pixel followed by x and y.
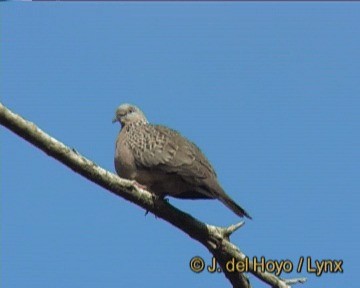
pixel 158 147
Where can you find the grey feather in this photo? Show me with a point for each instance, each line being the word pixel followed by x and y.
pixel 164 161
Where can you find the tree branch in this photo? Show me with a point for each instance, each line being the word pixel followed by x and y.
pixel 215 239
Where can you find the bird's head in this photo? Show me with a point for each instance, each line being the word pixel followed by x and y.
pixel 127 113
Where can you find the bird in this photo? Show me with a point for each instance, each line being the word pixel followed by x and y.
pixel 164 161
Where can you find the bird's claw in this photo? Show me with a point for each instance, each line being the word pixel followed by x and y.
pixel 140 186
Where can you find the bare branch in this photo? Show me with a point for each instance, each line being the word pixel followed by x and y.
pixel 232 228
pixel 215 239
pixel 295 281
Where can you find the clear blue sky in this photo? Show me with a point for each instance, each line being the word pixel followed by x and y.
pixel 269 91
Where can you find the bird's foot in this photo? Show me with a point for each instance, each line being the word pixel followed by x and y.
pixel 157 200
pixel 147 212
pixel 140 186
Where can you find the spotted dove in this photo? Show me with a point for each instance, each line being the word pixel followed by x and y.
pixel 164 161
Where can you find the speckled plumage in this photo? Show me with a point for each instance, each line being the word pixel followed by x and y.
pixel 164 161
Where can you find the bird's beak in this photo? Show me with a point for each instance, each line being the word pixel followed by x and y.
pixel 114 120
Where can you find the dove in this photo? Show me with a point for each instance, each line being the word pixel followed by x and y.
pixel 164 161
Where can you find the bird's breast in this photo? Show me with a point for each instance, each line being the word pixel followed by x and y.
pixel 124 159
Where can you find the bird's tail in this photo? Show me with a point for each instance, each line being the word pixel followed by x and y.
pixel 233 206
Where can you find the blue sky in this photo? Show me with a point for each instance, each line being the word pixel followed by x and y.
pixel 269 92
